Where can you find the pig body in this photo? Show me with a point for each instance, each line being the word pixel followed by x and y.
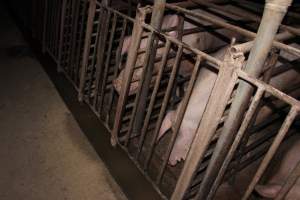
pixel 283 169
pixel 202 41
pixel 194 111
pixel 199 99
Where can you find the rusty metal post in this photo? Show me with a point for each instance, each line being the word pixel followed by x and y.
pixel 156 22
pixel 214 110
pixel 274 12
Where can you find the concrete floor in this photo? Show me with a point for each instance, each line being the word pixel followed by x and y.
pixel 43 153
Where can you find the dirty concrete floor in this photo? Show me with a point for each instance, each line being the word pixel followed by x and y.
pixel 43 153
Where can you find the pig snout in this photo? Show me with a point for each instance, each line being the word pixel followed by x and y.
pixel 288 163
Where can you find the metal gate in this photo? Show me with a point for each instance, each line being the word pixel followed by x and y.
pixel 215 154
pixel 102 59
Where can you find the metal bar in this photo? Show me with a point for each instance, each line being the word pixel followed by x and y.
pixel 87 43
pixel 116 67
pixel 269 155
pixel 95 62
pixel 101 52
pixel 73 73
pixel 61 34
pixel 269 65
pixel 290 182
pixel 179 118
pixel 247 119
pixel 128 72
pixel 156 23
pixel 268 28
pixel 78 52
pixel 231 27
pixel 273 91
pixel 214 61
pixel 220 95
pixel 108 55
pixel 164 106
pixel 45 26
pixel 245 14
pixel 153 96
pixel 246 47
pixel 140 88
pixel 258 7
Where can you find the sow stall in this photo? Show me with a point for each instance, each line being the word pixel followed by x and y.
pixel 245 116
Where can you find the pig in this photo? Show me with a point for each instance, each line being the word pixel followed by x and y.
pixel 198 101
pixel 194 111
pixel 283 168
pixel 203 41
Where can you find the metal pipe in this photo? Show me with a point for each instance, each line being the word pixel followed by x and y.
pixel 271 152
pixel 246 47
pixel 213 113
pixel 234 28
pixel 290 182
pixel 156 23
pixel 129 69
pixel 273 15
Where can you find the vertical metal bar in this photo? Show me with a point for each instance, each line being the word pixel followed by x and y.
pixel 75 17
pixel 271 20
pixel 164 106
pixel 141 83
pixel 128 72
pixel 101 48
pixel 51 27
pixel 58 27
pixel 116 67
pixel 153 96
pixel 212 115
pixel 156 22
pixel 61 34
pixel 179 118
pixel 269 66
pixel 87 43
pixel 247 121
pixel 108 56
pixel 290 182
pixel 45 22
pixel 78 50
pixel 272 150
pixel 101 44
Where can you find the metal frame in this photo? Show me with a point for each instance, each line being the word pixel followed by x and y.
pixel 229 73
pixel 85 40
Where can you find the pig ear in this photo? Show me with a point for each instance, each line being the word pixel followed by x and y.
pixel 166 124
pixel 268 191
pixel 126 44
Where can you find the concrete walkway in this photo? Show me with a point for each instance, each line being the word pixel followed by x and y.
pixel 43 153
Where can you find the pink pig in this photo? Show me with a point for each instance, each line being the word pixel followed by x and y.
pixel 201 40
